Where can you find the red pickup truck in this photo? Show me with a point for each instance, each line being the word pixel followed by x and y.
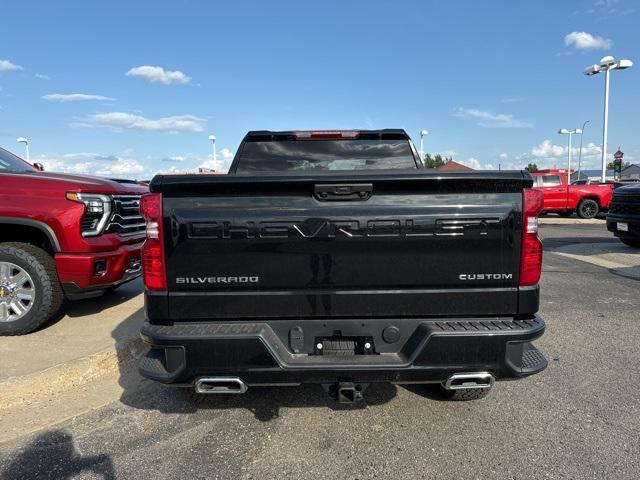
pixel 62 236
pixel 585 200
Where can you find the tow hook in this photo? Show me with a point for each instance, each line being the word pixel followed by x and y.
pixel 346 393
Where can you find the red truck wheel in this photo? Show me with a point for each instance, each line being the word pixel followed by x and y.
pixel 30 293
pixel 588 208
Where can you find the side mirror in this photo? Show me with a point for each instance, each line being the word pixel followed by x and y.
pixel 39 167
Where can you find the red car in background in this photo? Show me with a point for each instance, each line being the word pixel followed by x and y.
pixel 585 200
pixel 62 236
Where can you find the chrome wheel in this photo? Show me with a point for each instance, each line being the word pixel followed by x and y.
pixel 17 292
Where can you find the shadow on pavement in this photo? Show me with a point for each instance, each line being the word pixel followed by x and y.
pixel 90 306
pixel 632 273
pixel 550 242
pixel 53 455
pixel 111 298
pixel 263 402
pixel 432 391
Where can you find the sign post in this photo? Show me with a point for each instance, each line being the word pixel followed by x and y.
pixel 617 164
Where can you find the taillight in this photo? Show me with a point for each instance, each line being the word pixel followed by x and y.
pixel 531 250
pixel 153 249
pixel 325 134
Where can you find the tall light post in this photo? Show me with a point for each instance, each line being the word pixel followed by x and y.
pixel 570 133
pixel 26 146
pixel 212 139
pixel 607 64
pixel 423 134
pixel 580 151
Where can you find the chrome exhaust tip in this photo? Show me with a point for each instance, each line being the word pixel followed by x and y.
pixel 222 385
pixel 464 381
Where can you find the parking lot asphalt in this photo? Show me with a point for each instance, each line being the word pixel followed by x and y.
pixel 578 419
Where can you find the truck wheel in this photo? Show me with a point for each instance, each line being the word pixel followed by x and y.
pixel 588 208
pixel 466 394
pixel 631 242
pixel 30 293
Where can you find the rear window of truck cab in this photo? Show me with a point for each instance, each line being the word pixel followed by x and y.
pixel 551 180
pixel 325 154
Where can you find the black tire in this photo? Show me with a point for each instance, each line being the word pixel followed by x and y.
pixel 565 213
pixel 466 394
pixel 588 208
pixel 48 292
pixel 631 242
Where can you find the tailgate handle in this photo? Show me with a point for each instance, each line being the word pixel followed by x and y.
pixel 343 192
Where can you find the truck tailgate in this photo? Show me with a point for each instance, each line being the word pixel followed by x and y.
pixel 337 246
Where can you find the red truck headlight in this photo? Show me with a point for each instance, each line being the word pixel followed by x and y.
pixel 531 249
pixel 97 210
pixel 153 268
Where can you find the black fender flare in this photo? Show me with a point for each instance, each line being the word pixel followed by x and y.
pixel 43 227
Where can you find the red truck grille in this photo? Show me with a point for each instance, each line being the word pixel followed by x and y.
pixel 126 219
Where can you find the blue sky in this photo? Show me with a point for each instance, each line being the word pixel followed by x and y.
pixel 132 88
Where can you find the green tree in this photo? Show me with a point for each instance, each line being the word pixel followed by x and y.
pixel 435 161
pixel 624 165
pixel 532 168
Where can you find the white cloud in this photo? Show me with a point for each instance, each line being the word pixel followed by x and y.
pixel 7 66
pixel 42 76
pixel 173 170
pixel 503 156
pixel 123 166
pixel 548 150
pixel 91 164
pixel 490 120
pixel 120 121
pixel 175 158
pixel 472 163
pixel 158 75
pixel 74 97
pixel 547 154
pixel 223 161
pixel 586 41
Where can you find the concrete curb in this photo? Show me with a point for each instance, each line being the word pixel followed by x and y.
pixel 571 221
pixel 25 390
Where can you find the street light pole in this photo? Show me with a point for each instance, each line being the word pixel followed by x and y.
pixel 212 138
pixel 26 147
pixel 580 151
pixel 423 134
pixel 607 64
pixel 570 133
pixel 605 125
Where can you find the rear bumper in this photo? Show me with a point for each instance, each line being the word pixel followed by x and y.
pixel 261 353
pixel 85 275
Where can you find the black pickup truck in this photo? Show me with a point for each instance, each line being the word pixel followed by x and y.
pixel 335 258
pixel 623 218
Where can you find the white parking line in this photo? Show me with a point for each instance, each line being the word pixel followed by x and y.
pixel 611 255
